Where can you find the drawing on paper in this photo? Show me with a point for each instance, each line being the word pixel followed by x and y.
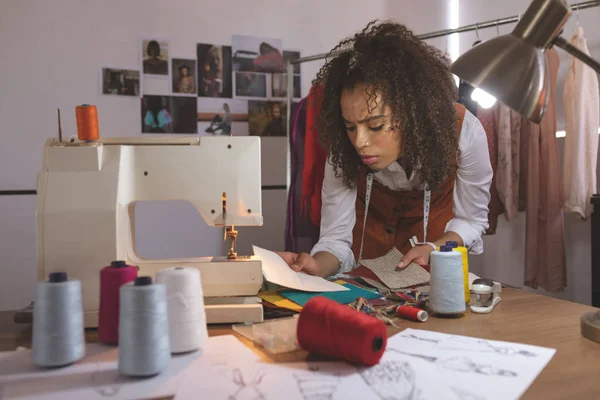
pixel 391 380
pixel 462 394
pixel 461 364
pixel 316 385
pixel 246 389
pixel 464 343
pixel 107 387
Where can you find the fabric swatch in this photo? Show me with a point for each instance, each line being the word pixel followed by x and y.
pixel 279 301
pixel 344 297
pixel 384 268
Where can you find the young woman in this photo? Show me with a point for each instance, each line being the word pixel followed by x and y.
pixel 408 167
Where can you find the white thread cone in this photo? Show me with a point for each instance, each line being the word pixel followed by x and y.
pixel 185 302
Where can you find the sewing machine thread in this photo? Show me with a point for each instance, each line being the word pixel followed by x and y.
pixel 143 328
pixel 447 294
pixel 185 305
pixel 111 279
pixel 87 122
pixel 335 330
pixel 58 333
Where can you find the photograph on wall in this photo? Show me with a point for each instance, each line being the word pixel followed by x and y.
pixel 255 54
pixel 183 76
pixel 279 86
pixel 292 55
pixel 155 56
pixel 169 114
pixel 222 117
pixel 252 85
pixel 122 82
pixel 214 70
pixel 266 118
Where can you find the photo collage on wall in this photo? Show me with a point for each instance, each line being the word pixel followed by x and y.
pixel 236 89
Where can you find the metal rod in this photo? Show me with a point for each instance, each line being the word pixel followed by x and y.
pixel 575 52
pixel 462 29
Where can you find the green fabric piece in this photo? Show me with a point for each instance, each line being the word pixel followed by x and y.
pixel 344 297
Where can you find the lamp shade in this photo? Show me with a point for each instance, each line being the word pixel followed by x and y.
pixel 513 68
pixel 509 69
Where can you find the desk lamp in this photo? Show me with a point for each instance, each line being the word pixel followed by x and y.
pixel 514 69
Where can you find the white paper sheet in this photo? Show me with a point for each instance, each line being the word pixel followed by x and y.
pixel 97 375
pixel 275 270
pixel 264 381
pixel 439 365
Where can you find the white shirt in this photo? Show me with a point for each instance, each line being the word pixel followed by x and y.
pixel 471 197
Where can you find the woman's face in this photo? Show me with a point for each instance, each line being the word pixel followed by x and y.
pixel 371 133
pixel 184 72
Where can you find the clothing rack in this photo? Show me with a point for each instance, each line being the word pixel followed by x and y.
pixel 445 32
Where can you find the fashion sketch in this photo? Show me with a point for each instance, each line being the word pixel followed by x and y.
pixel 391 380
pixel 464 343
pixel 245 389
pixel 316 385
pixel 462 394
pixel 460 364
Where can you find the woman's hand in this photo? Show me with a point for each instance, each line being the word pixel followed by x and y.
pixel 419 254
pixel 302 262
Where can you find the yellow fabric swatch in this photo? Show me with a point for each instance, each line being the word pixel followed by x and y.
pixel 279 301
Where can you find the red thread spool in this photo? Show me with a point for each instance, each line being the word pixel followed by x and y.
pixel 111 280
pixel 412 313
pixel 334 330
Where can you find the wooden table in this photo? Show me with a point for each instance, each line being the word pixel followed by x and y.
pixel 573 373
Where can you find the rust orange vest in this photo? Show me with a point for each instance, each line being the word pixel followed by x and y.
pixel 396 216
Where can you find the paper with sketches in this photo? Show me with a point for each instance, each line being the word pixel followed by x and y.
pixel 385 269
pixel 97 375
pixel 233 380
pixel 275 270
pixel 461 367
pixel 417 365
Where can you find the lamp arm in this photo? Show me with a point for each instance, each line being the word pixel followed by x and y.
pixel 574 51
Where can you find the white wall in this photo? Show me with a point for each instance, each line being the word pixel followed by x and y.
pixel 504 257
pixel 52 52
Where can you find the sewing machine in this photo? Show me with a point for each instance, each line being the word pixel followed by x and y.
pixel 86 193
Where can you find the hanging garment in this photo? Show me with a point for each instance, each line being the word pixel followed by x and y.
pixel 507 174
pixel 582 119
pixel 504 169
pixel 515 132
pixel 545 262
pixel 523 164
pixel 301 233
pixel 315 157
pixel 489 118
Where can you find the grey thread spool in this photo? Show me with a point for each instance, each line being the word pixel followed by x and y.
pixel 143 328
pixel 58 332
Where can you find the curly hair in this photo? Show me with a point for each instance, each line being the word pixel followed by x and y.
pixel 412 78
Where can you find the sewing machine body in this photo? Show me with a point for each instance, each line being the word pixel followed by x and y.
pixel 86 194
